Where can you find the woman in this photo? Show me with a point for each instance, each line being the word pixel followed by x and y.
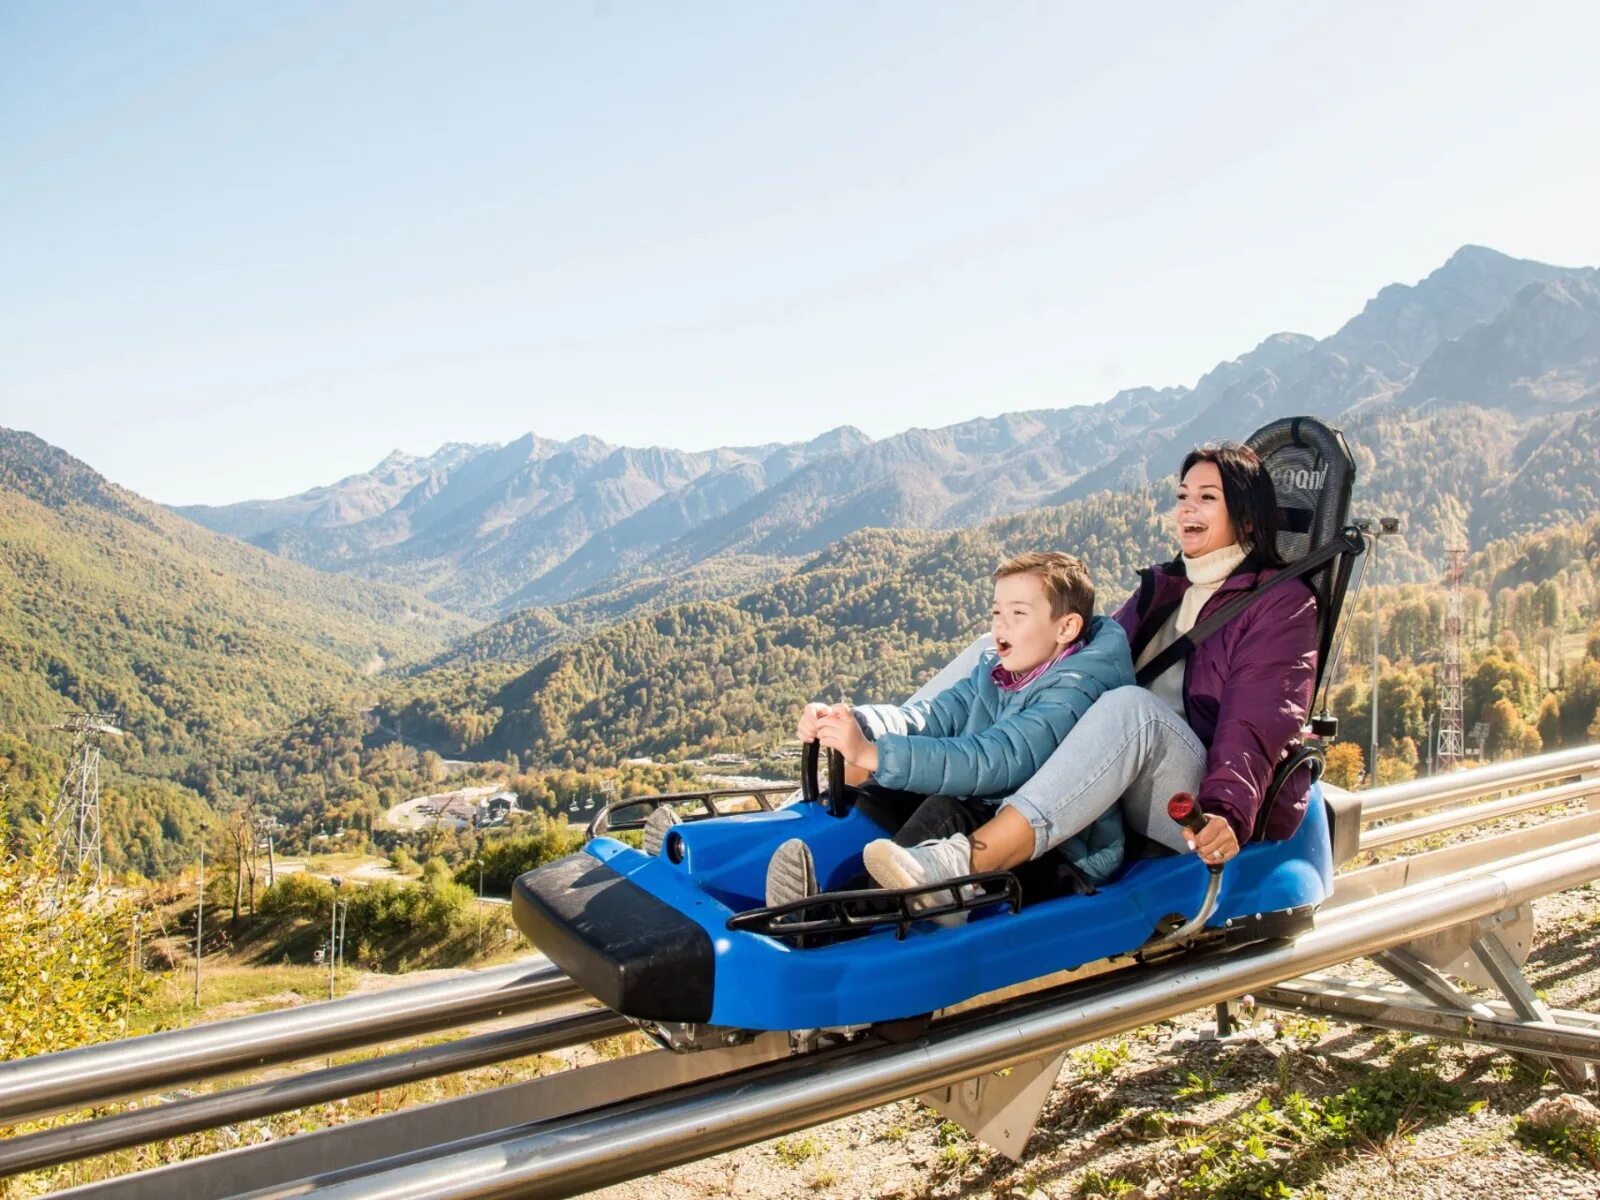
pixel 1215 724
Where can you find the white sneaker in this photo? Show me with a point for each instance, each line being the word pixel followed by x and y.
pixel 791 873
pixel 655 828
pixel 895 866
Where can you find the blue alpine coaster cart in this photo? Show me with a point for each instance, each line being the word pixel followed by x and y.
pixel 682 941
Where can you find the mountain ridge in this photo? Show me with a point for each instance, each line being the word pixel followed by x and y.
pixel 540 523
pixel 112 602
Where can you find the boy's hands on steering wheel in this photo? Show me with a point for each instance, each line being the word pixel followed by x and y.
pixel 806 730
pixel 1216 843
pixel 837 730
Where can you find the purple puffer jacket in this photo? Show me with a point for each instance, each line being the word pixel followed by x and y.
pixel 1246 691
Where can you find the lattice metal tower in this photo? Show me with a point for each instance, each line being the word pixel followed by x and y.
pixel 1452 747
pixel 75 819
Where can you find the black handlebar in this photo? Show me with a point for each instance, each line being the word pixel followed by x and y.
pixel 838 800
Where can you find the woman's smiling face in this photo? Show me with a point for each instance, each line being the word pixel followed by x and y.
pixel 1201 515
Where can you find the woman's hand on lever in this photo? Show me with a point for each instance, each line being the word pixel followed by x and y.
pixel 1215 843
pixel 837 730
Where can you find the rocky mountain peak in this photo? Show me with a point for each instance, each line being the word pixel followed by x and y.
pixel 841 440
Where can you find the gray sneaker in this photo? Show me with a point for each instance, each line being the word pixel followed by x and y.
pixel 791 873
pixel 896 866
pixel 655 829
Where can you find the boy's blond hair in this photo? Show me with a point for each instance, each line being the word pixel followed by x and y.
pixel 1065 578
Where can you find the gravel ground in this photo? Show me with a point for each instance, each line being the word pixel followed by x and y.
pixel 1137 1116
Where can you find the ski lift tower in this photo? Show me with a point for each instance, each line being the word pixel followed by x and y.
pixel 1452 745
pixel 75 819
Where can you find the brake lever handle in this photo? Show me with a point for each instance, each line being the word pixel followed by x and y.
pixel 1185 810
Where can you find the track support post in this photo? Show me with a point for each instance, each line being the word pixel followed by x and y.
pixel 1492 955
pixel 1000 1108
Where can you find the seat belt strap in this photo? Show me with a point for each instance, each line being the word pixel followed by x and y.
pixel 1186 643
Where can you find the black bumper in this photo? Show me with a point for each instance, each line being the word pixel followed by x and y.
pixel 630 951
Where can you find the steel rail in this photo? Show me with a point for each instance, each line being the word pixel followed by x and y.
pixel 1403 799
pixel 619 1142
pixel 1376 836
pixel 447 1125
pixel 73 1078
pixel 51 1147
pixel 49 1083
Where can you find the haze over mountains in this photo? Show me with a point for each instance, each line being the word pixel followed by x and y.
pixel 488 529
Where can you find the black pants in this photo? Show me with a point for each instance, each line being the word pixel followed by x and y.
pixel 910 819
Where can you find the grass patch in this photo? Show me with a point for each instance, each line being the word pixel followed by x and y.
pixel 1563 1143
pixel 1273 1149
pixel 825 1177
pixel 796 1152
pixel 254 988
pixel 1103 1187
pixel 955 1157
pixel 1102 1059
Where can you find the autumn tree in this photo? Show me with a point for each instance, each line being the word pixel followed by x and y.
pixel 65 976
pixel 1344 765
pixel 1509 735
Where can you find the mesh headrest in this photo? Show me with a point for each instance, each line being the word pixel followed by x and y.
pixel 1313 472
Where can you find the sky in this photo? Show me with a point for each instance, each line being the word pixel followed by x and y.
pixel 246 249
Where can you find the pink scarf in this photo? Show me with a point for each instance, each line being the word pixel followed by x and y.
pixel 1012 681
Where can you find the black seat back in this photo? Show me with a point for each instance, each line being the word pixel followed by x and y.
pixel 1314 474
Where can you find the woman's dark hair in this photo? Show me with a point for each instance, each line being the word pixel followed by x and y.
pixel 1247 491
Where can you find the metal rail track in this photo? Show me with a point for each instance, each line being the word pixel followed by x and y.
pixel 68 1143
pixel 34 1087
pixel 97 1074
pixel 573 1152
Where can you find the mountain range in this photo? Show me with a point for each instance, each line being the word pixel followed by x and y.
pixel 494 529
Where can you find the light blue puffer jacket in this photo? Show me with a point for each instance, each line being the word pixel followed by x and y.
pixel 976 741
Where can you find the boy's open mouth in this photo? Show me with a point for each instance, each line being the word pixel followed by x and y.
pixel 1003 646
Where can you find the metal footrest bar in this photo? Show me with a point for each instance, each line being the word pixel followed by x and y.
pixel 870 908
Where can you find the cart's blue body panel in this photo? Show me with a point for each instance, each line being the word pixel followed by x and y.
pixel 759 982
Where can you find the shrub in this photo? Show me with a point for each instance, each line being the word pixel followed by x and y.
pixel 65 979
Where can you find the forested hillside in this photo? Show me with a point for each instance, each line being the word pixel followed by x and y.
pixel 194 640
pixel 111 603
pixel 1456 476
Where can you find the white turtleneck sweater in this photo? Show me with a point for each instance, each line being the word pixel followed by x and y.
pixel 1206 574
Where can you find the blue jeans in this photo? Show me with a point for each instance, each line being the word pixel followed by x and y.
pixel 1129 746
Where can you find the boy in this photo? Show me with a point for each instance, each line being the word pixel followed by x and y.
pixel 938 766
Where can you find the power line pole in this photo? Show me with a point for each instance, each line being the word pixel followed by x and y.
pixel 333 934
pixel 200 919
pixel 75 817
pixel 1452 745
pixel 1386 526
